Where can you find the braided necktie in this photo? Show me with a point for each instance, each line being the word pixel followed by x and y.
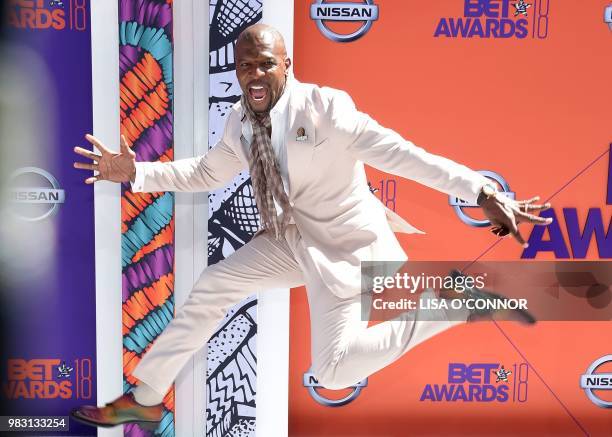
pixel 265 174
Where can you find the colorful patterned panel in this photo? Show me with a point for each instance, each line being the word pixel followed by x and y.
pixel 146 99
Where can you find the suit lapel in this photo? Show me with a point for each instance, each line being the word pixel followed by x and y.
pixel 246 135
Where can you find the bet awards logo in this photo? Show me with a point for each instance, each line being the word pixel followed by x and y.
pixel 35 194
pixel 323 11
pixel 581 233
pixel 480 382
pixel 33 14
pixel 591 381
pixel 49 14
pixel 46 378
pixel 312 384
pixel 459 204
pixel 497 19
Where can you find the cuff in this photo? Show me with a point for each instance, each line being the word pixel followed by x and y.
pixel 138 184
pixel 477 187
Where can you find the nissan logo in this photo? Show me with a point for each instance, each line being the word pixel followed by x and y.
pixel 322 11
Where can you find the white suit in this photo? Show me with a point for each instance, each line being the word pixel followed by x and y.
pixel 337 223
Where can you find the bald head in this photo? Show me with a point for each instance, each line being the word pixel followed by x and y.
pixel 262 66
pixel 262 32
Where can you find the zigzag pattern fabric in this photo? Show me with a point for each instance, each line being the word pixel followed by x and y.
pixel 231 376
pixel 147 219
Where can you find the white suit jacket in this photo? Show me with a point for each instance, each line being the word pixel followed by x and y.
pixel 341 222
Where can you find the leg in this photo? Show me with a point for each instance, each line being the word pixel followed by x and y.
pixel 345 350
pixel 261 264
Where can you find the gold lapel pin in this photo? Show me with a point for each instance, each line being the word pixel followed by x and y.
pixel 301 135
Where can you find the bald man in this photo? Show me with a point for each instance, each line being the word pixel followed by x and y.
pixel 305 147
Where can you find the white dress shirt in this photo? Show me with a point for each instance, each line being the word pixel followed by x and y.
pixel 278 117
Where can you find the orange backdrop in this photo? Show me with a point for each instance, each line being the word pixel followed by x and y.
pixel 537 111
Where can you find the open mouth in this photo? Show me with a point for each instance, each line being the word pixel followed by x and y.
pixel 258 92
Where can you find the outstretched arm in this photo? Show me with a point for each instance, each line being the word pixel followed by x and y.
pixel 202 173
pixel 386 150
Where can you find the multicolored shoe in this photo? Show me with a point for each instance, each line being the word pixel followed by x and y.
pixel 122 410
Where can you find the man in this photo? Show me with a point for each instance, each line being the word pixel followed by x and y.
pixel 305 147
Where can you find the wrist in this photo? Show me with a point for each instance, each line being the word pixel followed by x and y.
pixel 488 191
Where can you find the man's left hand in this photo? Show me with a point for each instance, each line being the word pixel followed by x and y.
pixel 505 214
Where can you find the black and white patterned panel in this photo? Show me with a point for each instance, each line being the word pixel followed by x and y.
pixel 233 219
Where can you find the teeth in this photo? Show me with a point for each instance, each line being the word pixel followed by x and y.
pixel 256 88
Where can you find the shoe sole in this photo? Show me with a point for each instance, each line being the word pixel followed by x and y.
pixel 146 424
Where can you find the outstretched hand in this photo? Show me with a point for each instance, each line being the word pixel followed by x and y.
pixel 111 166
pixel 505 214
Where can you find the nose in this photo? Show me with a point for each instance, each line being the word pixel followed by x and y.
pixel 257 72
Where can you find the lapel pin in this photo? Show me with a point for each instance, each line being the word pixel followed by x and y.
pixel 301 135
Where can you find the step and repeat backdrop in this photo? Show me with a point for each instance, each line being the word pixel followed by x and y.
pixel 518 90
pixel 47 252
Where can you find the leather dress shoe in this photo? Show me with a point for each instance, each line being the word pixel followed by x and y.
pixel 122 410
pixel 518 315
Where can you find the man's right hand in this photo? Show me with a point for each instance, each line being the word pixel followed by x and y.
pixel 111 166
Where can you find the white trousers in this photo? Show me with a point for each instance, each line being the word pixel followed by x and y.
pixel 344 350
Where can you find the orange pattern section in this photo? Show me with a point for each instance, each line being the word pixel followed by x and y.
pixel 141 302
pixel 143 92
pixel 132 204
pixel 165 236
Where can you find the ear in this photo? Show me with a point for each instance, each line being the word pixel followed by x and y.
pixel 287 64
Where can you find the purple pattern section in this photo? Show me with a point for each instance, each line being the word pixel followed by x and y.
pixel 156 264
pixel 145 12
pixel 128 57
pixel 154 141
pixel 135 431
